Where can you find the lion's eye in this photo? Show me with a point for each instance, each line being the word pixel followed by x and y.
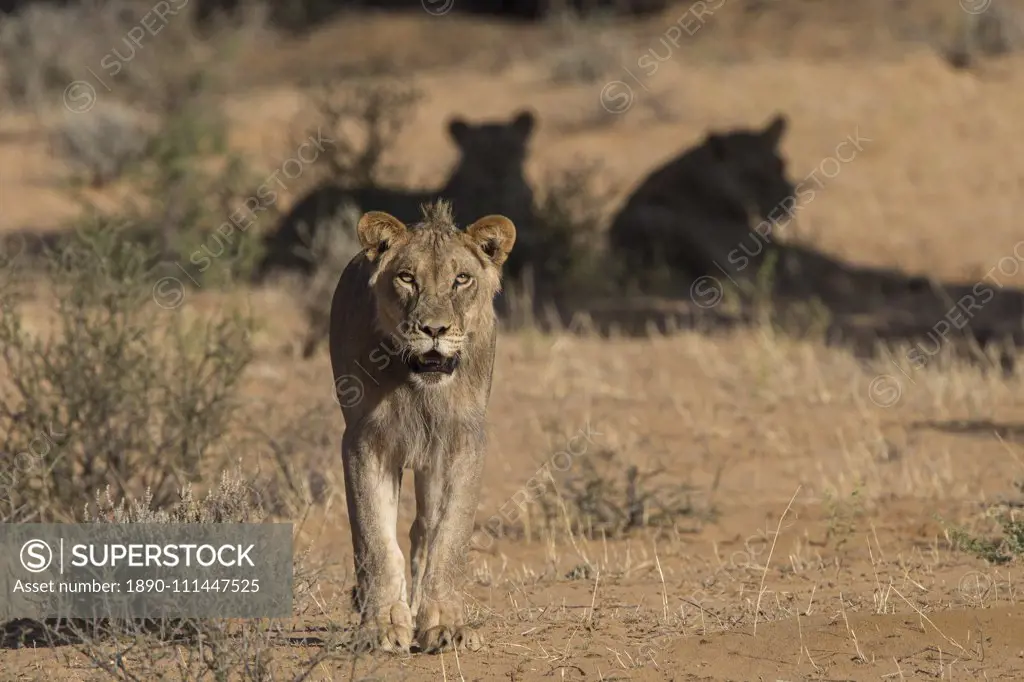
pixel 462 279
pixel 406 277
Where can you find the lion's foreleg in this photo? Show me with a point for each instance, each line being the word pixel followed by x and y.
pixel 372 487
pixel 446 500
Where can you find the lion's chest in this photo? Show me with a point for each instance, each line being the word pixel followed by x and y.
pixel 417 431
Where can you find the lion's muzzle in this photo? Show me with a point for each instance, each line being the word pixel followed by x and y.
pixel 433 362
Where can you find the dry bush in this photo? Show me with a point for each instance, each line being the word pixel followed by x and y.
pixel 363 121
pixel 138 396
pixel 331 248
pixel 44 46
pixel 104 144
pixel 131 403
pixel 595 490
pixel 602 495
pixel 1000 539
pixel 203 648
pixel 160 129
pixel 564 255
pixel 583 50
pixel 153 119
pixel 186 190
pixel 364 118
pixel 106 45
pixel 119 395
pixel 114 416
pixel 1002 548
pixel 122 392
pixel 997 31
pixel 191 195
pixel 233 500
pixel 304 448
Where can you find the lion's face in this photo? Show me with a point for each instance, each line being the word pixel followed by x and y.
pixel 434 285
pixel 753 161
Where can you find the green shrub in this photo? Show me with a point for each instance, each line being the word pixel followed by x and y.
pixel 121 393
pixel 1002 548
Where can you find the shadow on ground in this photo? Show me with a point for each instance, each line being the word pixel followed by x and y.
pixel 975 427
pixel 864 308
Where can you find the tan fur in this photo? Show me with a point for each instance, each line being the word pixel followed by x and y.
pixel 411 290
pixel 693 213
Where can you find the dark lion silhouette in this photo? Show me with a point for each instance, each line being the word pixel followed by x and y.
pixel 694 214
pixel 488 179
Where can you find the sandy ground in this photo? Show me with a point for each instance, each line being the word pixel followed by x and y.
pixel 820 484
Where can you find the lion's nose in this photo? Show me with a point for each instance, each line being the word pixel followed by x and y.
pixel 432 332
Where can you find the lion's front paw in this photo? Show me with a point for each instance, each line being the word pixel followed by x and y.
pixel 440 628
pixel 444 638
pixel 391 632
pixel 395 639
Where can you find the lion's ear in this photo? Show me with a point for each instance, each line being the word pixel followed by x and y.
pixel 458 128
pixel 495 235
pixel 523 122
pixel 377 231
pixel 775 129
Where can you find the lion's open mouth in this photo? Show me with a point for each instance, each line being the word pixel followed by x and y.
pixel 432 361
